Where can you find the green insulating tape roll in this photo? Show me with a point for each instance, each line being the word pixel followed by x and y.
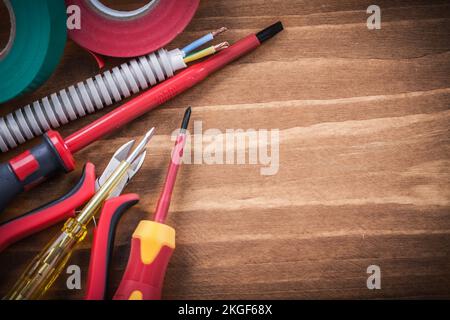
pixel 36 44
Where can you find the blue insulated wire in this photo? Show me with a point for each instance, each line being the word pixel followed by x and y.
pixel 197 43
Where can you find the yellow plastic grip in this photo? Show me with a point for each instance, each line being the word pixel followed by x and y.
pixel 136 295
pixel 153 236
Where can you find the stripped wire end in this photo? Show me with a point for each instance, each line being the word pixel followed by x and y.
pixel 221 46
pixel 219 31
pixel 202 41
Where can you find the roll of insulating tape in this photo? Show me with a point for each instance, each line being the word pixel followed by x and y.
pixel 36 43
pixel 131 33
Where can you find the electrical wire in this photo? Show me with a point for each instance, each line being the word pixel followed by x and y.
pixel 95 93
pixel 201 41
pixel 206 52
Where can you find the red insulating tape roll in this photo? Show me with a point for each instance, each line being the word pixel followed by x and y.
pixel 130 37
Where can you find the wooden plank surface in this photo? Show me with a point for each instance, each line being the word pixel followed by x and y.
pixel 364 158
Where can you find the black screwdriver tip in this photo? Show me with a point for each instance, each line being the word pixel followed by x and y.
pixel 269 32
pixel 186 118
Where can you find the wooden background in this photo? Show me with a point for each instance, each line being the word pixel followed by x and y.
pixel 364 158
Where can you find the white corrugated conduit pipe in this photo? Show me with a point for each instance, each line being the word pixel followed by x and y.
pixel 88 96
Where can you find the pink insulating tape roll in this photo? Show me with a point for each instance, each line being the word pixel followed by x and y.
pixel 130 33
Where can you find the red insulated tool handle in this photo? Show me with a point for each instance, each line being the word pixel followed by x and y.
pixel 51 213
pixel 103 244
pixel 151 248
pixel 34 166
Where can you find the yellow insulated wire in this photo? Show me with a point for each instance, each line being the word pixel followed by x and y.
pixel 206 52
pixel 200 54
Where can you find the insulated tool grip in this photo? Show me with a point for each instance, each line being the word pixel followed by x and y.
pixel 10 185
pixel 151 248
pixel 34 166
pixel 103 244
pixel 50 213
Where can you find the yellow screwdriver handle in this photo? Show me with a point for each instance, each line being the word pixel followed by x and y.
pixel 152 246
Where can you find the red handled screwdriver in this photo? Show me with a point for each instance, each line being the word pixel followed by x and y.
pixel 56 154
pixel 153 241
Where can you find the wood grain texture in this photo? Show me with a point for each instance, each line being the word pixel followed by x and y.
pixel 364 158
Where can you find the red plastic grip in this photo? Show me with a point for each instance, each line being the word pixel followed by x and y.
pixel 103 244
pixel 151 248
pixel 144 280
pixel 24 165
pixel 49 214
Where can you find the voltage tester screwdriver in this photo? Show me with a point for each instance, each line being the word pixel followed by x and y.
pixel 55 154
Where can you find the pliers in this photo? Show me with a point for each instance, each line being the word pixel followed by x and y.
pixel 65 207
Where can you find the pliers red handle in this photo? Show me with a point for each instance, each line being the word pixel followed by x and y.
pixel 51 213
pixel 151 248
pixel 103 244
pixel 64 207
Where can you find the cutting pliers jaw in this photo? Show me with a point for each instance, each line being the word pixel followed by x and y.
pixel 119 156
